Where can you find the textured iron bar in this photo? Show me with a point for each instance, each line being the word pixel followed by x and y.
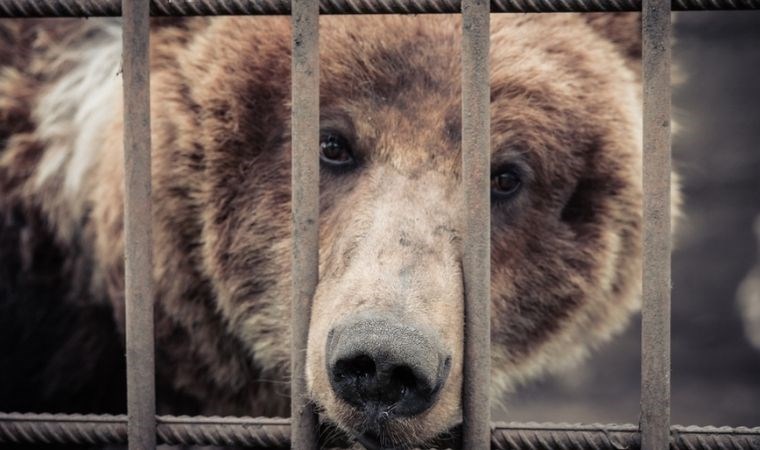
pixel 91 8
pixel 655 333
pixel 305 209
pixel 262 433
pixel 476 169
pixel 259 433
pixel 138 264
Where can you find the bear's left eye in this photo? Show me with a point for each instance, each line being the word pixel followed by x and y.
pixel 334 150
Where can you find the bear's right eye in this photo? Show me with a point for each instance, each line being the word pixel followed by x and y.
pixel 334 150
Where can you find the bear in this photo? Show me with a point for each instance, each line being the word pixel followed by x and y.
pixel 385 348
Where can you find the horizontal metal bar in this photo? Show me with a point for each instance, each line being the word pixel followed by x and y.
pixel 274 433
pixel 93 8
pixel 107 429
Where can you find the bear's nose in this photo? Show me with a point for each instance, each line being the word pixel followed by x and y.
pixel 385 369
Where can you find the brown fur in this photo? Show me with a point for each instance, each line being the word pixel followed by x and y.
pixel 565 252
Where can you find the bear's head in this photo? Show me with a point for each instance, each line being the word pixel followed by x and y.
pixel 385 350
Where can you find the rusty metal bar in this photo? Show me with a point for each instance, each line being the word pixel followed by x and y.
pixel 261 433
pixel 476 179
pixel 305 209
pixel 91 8
pixel 138 248
pixel 268 433
pixel 655 333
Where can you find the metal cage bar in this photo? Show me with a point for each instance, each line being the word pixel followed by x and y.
pixel 655 334
pixel 274 433
pixel 476 262
pixel 305 208
pixel 138 250
pixel 76 8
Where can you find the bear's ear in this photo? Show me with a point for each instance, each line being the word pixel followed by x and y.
pixel 623 29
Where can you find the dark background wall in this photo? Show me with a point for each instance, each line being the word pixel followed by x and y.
pixel 716 373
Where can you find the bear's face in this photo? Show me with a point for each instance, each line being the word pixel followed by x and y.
pixel 385 351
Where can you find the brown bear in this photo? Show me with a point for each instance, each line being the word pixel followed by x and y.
pixel 384 359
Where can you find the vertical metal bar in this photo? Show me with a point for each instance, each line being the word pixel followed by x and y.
pixel 655 336
pixel 305 192
pixel 476 170
pixel 138 257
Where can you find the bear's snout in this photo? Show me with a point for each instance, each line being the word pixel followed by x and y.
pixel 384 368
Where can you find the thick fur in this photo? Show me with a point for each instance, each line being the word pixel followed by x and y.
pixel 565 251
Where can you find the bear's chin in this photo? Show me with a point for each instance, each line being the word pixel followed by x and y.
pixel 375 441
pixel 392 433
pixel 391 436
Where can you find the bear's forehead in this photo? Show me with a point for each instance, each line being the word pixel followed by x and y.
pixel 397 80
pixel 386 57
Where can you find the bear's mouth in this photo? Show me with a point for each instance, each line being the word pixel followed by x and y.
pixel 371 441
pixel 379 439
pixel 375 437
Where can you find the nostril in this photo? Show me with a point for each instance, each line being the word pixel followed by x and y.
pixel 361 366
pixel 404 390
pixel 354 379
pixel 403 380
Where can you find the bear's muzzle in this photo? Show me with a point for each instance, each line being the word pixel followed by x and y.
pixel 384 368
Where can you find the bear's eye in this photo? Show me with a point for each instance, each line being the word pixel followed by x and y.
pixel 506 183
pixel 334 150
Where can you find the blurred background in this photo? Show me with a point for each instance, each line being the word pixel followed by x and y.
pixel 716 371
